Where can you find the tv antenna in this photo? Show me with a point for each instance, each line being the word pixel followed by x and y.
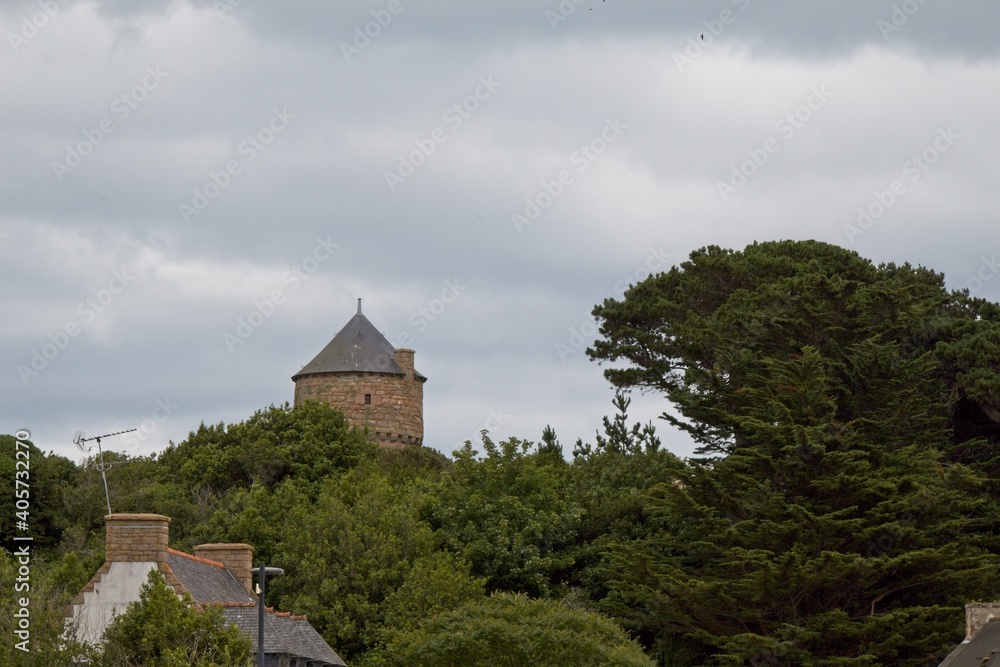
pixel 79 438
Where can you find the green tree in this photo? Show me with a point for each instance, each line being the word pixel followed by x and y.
pixel 829 527
pixel 48 477
pixel 611 482
pixel 817 542
pixel 438 581
pixel 508 515
pixel 161 630
pixel 507 630
pixel 308 442
pixel 699 331
pixel 348 553
pixel 47 587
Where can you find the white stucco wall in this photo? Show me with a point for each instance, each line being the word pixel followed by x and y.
pixel 110 597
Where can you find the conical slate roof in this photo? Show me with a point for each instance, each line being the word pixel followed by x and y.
pixel 358 347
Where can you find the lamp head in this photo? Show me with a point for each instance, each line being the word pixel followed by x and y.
pixel 269 571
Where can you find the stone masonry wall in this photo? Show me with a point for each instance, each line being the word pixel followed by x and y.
pixel 395 415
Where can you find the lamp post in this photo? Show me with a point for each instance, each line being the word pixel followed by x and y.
pixel 262 574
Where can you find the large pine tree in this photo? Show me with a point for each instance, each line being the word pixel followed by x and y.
pixel 826 524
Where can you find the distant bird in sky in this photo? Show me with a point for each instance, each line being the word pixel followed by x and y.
pixel 703 37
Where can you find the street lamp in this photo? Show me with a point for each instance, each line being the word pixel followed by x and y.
pixel 262 574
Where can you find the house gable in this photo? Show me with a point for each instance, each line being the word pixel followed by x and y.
pixel 137 544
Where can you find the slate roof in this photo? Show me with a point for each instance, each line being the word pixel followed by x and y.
pixel 211 583
pixel 983 650
pixel 358 347
pixel 206 580
pixel 283 634
pixel 315 641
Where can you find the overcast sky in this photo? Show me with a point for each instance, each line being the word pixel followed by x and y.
pixel 194 194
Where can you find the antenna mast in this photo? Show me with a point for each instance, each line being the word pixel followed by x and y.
pixel 81 438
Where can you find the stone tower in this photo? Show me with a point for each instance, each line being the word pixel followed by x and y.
pixel 374 384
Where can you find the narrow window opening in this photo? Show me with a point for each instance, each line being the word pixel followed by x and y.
pixel 368 399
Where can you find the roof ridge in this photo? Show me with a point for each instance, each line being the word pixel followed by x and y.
pixel 269 610
pixel 199 559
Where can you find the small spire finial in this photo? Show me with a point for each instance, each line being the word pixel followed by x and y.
pixel 359 305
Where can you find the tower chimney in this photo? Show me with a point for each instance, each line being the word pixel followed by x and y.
pixel 238 557
pixel 136 538
pixel 404 359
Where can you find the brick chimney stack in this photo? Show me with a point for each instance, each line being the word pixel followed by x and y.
pixel 136 538
pixel 404 359
pixel 237 557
